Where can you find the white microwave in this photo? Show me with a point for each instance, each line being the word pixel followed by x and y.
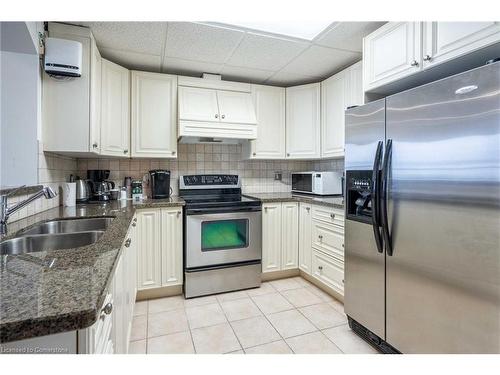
pixel 318 183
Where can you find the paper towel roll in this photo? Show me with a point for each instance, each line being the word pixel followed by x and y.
pixel 69 191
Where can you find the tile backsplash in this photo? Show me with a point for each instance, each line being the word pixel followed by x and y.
pixel 53 171
pixel 257 175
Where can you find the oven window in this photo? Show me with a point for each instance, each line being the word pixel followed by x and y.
pixel 224 234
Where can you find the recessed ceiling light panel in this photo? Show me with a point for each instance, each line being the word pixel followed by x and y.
pixel 298 29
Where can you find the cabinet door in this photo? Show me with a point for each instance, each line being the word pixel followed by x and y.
pixel 118 333
pixel 269 104
pixel 446 40
pixel 171 246
pixel 115 129
pixel 290 235
pixel 236 107
pixel 271 237
pixel 354 86
pixel 333 98
pixel 154 115
pixel 390 53
pixel 198 104
pixel 303 121
pixel 95 99
pixel 149 251
pixel 305 246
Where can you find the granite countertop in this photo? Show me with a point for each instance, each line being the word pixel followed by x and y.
pixel 55 291
pixel 331 201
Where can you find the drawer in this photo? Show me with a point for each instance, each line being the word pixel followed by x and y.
pixel 328 270
pixel 328 238
pixel 328 215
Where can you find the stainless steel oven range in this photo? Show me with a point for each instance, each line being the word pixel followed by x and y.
pixel 222 235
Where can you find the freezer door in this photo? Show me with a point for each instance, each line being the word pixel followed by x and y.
pixel 443 278
pixel 364 265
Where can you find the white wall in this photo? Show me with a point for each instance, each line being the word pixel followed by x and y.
pixel 20 104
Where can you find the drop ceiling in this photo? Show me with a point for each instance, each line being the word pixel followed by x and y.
pixel 237 53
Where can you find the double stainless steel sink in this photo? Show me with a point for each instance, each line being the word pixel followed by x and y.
pixel 57 235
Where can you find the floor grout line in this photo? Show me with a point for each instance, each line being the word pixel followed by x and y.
pixel 230 325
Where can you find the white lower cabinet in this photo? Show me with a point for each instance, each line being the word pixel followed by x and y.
pixel 271 237
pixel 280 239
pixel 305 237
pixel 159 253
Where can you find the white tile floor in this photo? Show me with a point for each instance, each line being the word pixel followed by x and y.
pixel 281 317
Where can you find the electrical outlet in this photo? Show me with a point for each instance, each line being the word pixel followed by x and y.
pixel 278 176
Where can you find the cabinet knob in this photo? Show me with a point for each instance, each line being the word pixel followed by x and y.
pixel 332 216
pixel 179 212
pixel 320 268
pixel 95 145
pixel 343 245
pixel 127 243
pixel 107 308
pixel 427 58
pixel 254 154
pixel 216 115
pixel 135 219
pixel 173 152
pixel 134 224
pixel 320 237
pixel 287 154
pixel 414 63
pixel 125 151
pixel 223 116
pixel 308 208
pixel 265 209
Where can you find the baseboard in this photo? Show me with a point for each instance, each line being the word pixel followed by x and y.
pixel 165 291
pixel 279 274
pixel 322 286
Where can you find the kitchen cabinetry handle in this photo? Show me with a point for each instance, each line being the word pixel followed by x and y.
pixel 173 152
pixel 108 308
pixel 287 154
pixel 125 151
pixel 320 237
pixel 135 219
pixel 308 208
pixel 254 153
pixel 320 268
pixel 134 224
pixel 414 63
pixel 223 116
pixel 216 115
pixel 128 242
pixel 332 216
pixel 427 58
pixel 95 145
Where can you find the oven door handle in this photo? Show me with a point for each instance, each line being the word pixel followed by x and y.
pixel 204 211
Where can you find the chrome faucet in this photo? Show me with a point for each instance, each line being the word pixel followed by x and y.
pixel 6 211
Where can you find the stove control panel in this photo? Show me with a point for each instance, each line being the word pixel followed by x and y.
pixel 207 180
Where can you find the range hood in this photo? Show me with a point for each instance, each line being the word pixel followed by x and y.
pixel 215 111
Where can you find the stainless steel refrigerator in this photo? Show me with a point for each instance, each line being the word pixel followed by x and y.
pixel 422 272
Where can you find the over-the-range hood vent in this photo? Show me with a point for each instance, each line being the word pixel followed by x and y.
pixel 214 111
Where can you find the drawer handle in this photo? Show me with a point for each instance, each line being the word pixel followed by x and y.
pixel 308 208
pixel 134 224
pixel 127 243
pixel 332 216
pixel 427 58
pixel 216 115
pixel 107 308
pixel 320 237
pixel 135 219
pixel 414 63
pixel 178 213
pixel 320 268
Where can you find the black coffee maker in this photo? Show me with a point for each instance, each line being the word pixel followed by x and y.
pixel 99 185
pixel 159 180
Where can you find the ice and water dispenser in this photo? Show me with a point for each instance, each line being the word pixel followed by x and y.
pixel 359 195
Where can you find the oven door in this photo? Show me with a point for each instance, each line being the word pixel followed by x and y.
pixel 215 237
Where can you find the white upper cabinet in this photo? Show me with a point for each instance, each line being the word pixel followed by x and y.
pixel 269 104
pixel 154 115
pixel 115 124
pixel 197 104
pixel 338 92
pixel 71 108
pixel 391 52
pixel 446 40
pixel 303 121
pixel 236 107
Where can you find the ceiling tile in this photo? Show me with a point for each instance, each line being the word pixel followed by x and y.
pixel 236 73
pixel 145 37
pixel 321 62
pixel 347 35
pixel 132 60
pixel 289 79
pixel 265 52
pixel 189 67
pixel 194 41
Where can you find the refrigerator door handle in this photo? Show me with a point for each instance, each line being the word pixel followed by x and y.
pixel 383 198
pixel 376 197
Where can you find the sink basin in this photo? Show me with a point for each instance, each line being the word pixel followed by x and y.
pixel 30 244
pixel 70 226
